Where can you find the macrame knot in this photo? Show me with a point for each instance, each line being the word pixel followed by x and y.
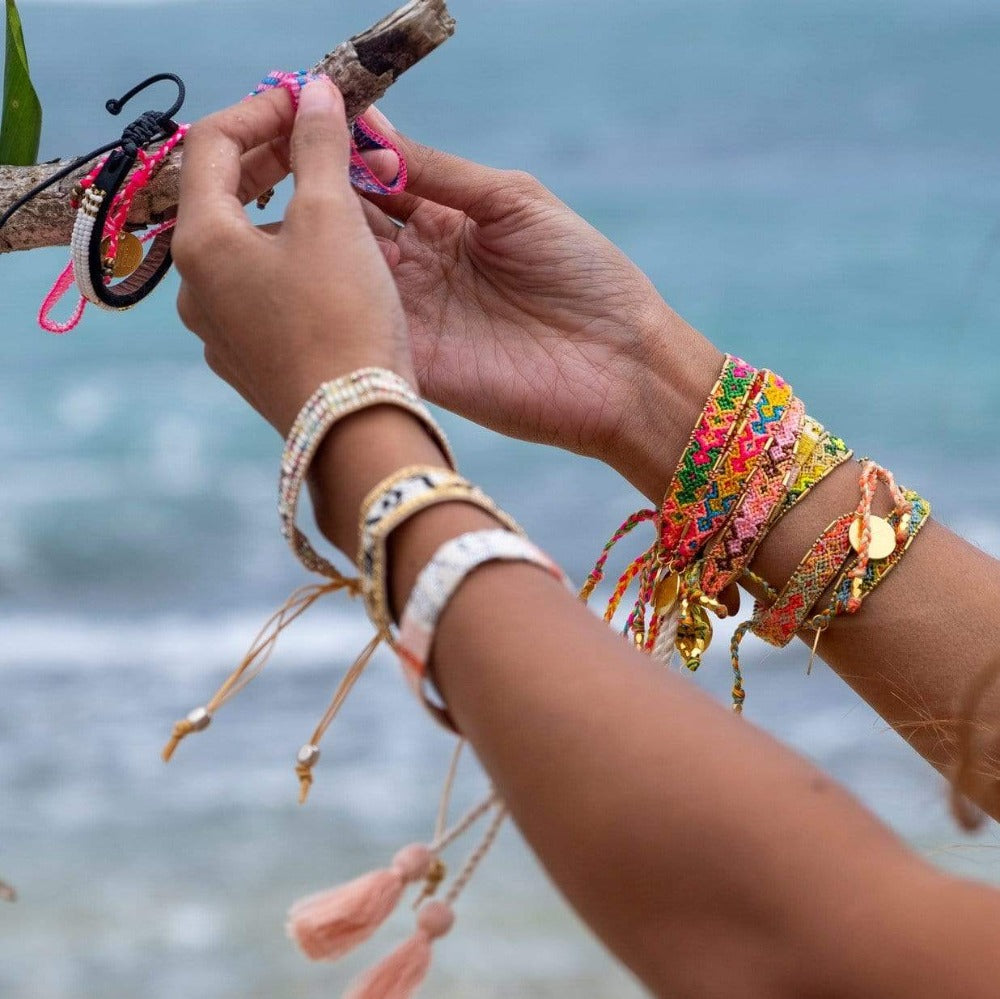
pixel 148 127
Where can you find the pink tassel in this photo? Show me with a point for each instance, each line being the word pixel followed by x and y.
pixel 403 971
pixel 330 923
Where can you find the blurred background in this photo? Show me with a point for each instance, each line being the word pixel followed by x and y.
pixel 816 186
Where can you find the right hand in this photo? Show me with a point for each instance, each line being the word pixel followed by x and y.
pixel 522 316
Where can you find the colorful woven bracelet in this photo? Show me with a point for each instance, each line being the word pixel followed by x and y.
pixel 329 404
pixel 778 623
pixel 824 455
pixel 877 569
pixel 739 539
pixel 730 475
pixel 718 424
pixel 438 583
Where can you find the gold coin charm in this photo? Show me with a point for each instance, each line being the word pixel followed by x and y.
pixel 666 592
pixel 883 537
pixel 129 254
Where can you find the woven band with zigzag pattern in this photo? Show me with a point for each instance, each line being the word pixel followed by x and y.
pixel 730 475
pixel 765 493
pixel 779 623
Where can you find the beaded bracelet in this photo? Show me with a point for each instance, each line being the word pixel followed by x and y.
pixel 329 404
pixel 372 550
pixel 391 493
pixel 438 583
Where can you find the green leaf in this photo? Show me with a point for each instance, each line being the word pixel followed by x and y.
pixel 21 124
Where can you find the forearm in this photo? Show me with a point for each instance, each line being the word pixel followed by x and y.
pixel 922 638
pixel 678 831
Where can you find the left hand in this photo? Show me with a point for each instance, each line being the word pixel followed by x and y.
pixel 282 309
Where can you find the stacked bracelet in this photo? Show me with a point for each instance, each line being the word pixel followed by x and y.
pixel 753 456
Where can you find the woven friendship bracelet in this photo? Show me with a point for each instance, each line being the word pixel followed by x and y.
pixel 726 400
pixel 438 583
pixel 739 539
pixel 907 524
pixel 730 475
pixel 718 424
pixel 778 623
pixel 330 403
pixel 372 549
pixel 824 455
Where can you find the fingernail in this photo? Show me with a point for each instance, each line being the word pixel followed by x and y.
pixel 379 121
pixel 316 96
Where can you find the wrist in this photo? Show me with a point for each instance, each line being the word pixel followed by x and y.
pixel 356 455
pixel 673 369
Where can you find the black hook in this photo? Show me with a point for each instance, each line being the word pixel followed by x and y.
pixel 115 106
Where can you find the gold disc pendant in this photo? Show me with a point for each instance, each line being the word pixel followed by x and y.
pixel 666 592
pixel 883 537
pixel 128 256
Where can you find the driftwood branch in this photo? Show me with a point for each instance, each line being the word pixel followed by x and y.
pixel 363 68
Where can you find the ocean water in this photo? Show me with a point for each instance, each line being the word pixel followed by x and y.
pixel 816 186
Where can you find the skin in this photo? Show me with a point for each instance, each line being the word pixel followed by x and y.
pixel 708 858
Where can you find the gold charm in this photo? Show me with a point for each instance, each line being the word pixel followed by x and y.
pixel 665 595
pixel 883 537
pixel 128 257
pixel 694 634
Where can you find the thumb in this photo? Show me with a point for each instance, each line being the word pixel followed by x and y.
pixel 320 143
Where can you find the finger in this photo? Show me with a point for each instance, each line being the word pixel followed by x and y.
pixel 384 163
pixel 211 177
pixel 379 222
pixel 264 167
pixel 321 145
pixel 390 250
pixel 482 192
pixel 402 206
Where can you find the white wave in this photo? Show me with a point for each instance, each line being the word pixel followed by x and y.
pixel 176 643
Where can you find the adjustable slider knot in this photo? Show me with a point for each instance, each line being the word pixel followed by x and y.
pixel 307 758
pixel 196 721
pixel 148 127
pixel 436 874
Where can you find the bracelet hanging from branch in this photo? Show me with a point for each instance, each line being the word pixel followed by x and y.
pixel 364 68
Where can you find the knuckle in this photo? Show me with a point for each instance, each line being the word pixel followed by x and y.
pixel 212 360
pixel 524 184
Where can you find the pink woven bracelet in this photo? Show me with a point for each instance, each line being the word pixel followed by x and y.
pixel 740 538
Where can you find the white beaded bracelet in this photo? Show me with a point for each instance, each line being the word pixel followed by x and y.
pixel 438 583
pixel 329 404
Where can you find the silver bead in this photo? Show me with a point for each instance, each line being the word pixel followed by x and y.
pixel 199 719
pixel 308 756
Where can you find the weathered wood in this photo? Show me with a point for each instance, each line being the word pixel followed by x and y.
pixel 364 68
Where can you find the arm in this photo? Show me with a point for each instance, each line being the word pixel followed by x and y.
pixel 589 357
pixel 711 860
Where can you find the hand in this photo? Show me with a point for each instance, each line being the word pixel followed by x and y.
pixel 527 320
pixel 282 309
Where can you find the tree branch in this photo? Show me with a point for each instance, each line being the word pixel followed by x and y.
pixel 363 68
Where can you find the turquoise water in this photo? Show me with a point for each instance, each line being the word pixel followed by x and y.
pixel 817 187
